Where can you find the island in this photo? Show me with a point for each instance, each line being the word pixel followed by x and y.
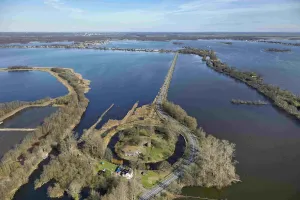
pixel 277 50
pixel 228 43
pixel 257 103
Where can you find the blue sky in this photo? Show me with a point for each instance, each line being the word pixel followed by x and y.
pixel 150 15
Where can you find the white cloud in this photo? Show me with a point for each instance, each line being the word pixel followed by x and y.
pixel 60 5
pixel 202 5
pixel 219 7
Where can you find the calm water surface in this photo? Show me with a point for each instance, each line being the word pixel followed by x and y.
pixel 267 141
pixel 28 118
pixel 8 139
pixel 116 77
pixel 29 86
pixel 41 43
pixel 143 44
pixel 281 69
pixel 275 67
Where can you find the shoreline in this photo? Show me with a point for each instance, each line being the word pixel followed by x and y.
pixel 51 101
pixel 88 44
pixel 12 113
pixel 281 99
pixel 43 143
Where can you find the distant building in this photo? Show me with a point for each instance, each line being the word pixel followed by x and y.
pixel 126 173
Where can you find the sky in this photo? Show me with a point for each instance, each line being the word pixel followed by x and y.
pixel 150 15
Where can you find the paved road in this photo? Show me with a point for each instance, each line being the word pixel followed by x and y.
pixel 190 138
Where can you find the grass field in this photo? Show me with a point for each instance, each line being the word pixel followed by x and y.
pixel 151 178
pixel 104 164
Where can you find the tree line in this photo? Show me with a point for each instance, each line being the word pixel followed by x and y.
pixel 215 164
pixel 283 99
pixel 180 115
pixel 13 105
pixel 36 146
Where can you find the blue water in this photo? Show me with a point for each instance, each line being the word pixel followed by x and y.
pixel 143 44
pixel 40 43
pixel 28 118
pixel 267 141
pixel 8 139
pixel 116 77
pixel 275 67
pixel 281 69
pixel 29 86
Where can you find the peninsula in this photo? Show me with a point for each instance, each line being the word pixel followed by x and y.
pixel 17 164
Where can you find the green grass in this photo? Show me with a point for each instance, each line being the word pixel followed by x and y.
pixel 151 178
pixel 156 154
pixel 103 164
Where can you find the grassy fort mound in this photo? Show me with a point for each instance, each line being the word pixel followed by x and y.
pixel 147 144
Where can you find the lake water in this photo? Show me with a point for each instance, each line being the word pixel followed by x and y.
pixel 275 67
pixel 281 69
pixel 142 44
pixel 267 141
pixel 40 43
pixel 29 86
pixel 8 139
pixel 28 118
pixel 122 78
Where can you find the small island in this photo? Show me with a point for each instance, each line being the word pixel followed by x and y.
pixel 227 43
pixel 256 103
pixel 278 50
pixel 178 43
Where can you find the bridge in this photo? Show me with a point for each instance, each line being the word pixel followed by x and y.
pixel 192 142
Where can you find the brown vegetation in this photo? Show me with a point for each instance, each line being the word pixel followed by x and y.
pixel 215 164
pixel 10 108
pixel 36 146
pixel 257 103
pixel 180 115
pixel 278 50
pixel 74 169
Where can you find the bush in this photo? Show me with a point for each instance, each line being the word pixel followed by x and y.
pixel 180 115
pixel 164 166
pixel 215 166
